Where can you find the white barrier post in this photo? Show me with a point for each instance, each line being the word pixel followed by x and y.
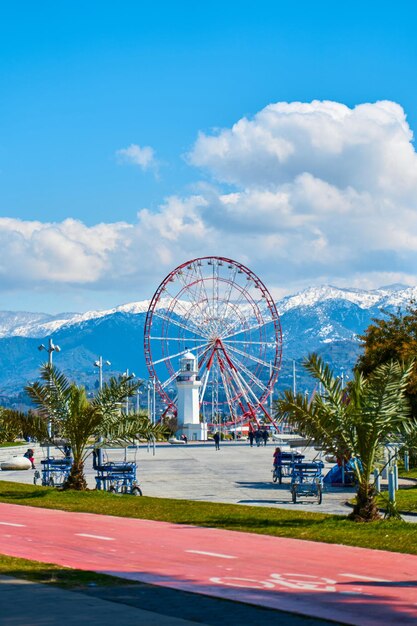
pixel 395 472
pixel 391 485
pixel 377 480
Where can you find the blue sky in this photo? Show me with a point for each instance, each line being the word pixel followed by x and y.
pixel 81 82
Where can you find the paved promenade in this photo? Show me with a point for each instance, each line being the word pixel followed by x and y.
pixel 236 474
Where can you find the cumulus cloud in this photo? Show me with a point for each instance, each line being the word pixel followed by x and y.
pixel 69 252
pixel 135 155
pixel 304 193
pixel 335 188
pixel 367 147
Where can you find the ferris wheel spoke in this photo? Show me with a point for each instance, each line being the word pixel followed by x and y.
pixel 231 282
pixel 200 273
pixel 182 310
pixel 174 356
pixel 238 381
pixel 252 357
pixel 229 330
pixel 247 342
pixel 204 381
pixel 248 387
pixel 170 320
pixel 250 374
pixel 227 392
pixel 191 289
pixel 184 339
pixel 170 380
pixel 246 330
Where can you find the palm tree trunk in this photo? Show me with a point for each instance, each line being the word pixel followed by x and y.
pixel 76 479
pixel 365 509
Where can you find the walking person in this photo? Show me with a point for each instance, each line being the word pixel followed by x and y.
pixel 258 438
pixel 265 436
pixel 216 438
pixel 251 437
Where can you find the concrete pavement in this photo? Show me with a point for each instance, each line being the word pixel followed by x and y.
pixel 136 605
pixel 24 603
pixel 236 474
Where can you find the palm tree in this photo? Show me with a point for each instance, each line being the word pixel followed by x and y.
pixel 80 421
pixel 355 421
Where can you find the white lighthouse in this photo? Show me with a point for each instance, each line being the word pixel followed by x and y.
pixel 188 405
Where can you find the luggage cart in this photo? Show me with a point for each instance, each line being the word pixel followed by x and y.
pixel 54 472
pixel 307 480
pixel 117 477
pixel 284 465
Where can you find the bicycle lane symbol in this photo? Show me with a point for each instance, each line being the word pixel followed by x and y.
pixel 300 582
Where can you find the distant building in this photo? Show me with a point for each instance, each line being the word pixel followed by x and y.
pixel 188 405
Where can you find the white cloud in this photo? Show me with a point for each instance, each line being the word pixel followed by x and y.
pixel 321 193
pixel 135 155
pixel 69 252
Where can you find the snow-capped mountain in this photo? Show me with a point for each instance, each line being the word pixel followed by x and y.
pixel 327 320
pixel 24 324
pixel 391 296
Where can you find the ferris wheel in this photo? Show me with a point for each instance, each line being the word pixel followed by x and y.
pixel 222 313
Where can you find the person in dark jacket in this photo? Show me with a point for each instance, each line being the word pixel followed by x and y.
pixel 29 454
pixel 251 437
pixel 216 438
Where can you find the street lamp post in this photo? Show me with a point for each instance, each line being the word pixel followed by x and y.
pixel 99 363
pixel 50 350
pixel 126 374
pixel 138 395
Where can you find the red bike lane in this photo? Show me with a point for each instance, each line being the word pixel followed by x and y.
pixel 346 584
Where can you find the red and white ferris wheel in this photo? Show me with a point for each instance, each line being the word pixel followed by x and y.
pixel 222 313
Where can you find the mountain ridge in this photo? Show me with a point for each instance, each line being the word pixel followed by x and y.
pixel 327 320
pixel 39 325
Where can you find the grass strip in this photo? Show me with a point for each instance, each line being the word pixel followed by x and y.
pixel 50 574
pixel 406 500
pixel 412 473
pixel 395 536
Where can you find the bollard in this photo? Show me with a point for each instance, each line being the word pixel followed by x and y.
pixel 406 461
pixel 391 486
pixel 377 480
pixel 395 472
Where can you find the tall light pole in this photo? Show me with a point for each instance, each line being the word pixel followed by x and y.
pixel 138 395
pixel 294 384
pixel 126 374
pixel 50 350
pixel 99 363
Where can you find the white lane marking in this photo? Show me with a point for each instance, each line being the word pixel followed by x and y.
pixel 94 536
pixel 10 524
pixel 220 556
pixel 376 580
